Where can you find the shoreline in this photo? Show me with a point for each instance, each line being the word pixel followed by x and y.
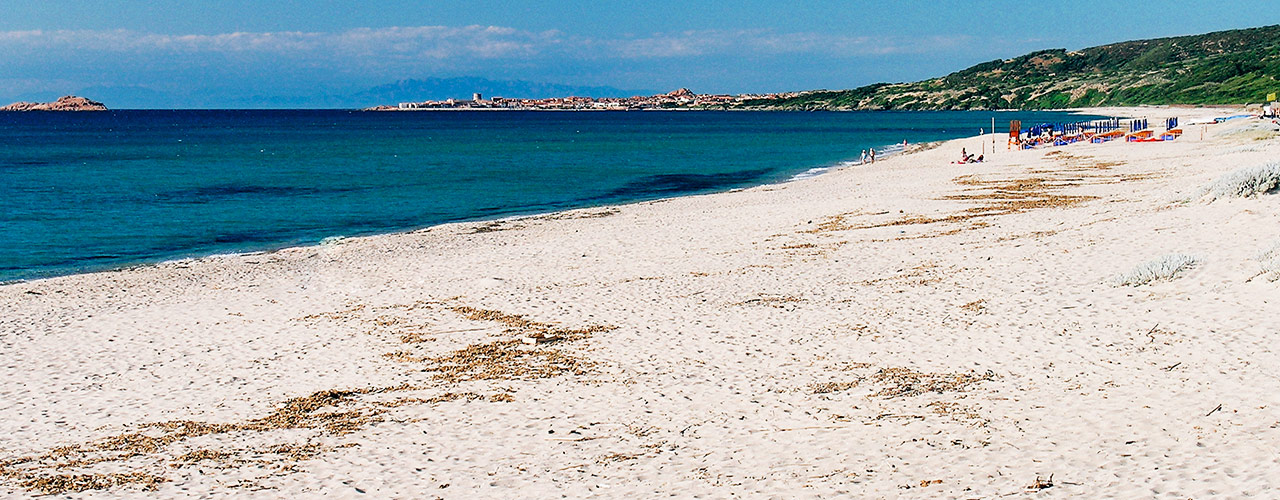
pixel 909 329
pixel 1124 112
pixel 187 258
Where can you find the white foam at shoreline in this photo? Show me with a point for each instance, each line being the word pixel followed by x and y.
pixel 881 154
pixel 816 171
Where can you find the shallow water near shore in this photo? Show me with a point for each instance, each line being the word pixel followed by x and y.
pixel 93 191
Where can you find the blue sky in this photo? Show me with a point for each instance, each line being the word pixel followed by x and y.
pixel 233 52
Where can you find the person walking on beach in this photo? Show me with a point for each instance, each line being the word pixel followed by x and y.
pixel 862 160
pixel 872 155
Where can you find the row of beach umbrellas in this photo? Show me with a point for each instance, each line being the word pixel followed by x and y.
pixel 1095 125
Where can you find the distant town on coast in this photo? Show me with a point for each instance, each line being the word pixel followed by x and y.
pixel 677 99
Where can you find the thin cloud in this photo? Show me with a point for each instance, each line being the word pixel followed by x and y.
pixel 244 63
pixel 767 42
pixel 473 42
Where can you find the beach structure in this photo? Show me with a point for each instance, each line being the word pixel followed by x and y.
pixel 1138 131
pixel 1096 132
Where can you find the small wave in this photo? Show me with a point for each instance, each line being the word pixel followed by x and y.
pixel 813 172
pixel 881 153
pixel 889 150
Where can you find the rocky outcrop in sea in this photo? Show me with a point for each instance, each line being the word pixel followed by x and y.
pixel 64 103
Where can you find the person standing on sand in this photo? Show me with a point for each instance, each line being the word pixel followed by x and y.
pixel 872 155
pixel 862 160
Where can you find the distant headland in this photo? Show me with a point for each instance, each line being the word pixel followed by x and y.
pixel 64 103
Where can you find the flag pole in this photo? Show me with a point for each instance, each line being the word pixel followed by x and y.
pixel 993 136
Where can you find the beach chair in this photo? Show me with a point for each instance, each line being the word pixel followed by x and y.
pixel 1139 136
pixel 1107 136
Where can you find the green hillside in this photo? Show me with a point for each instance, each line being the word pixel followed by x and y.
pixel 1226 67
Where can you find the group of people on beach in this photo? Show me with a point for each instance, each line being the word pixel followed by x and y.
pixel 965 157
pixel 869 155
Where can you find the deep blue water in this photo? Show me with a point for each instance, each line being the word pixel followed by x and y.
pixel 91 191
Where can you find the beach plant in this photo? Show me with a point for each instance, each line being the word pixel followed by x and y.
pixel 1243 149
pixel 1249 131
pixel 1162 269
pixel 1269 259
pixel 1245 182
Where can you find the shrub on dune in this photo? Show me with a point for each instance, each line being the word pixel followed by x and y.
pixel 1161 269
pixel 1243 149
pixel 1250 181
pixel 1270 261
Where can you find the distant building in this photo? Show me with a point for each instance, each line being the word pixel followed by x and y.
pixel 477 97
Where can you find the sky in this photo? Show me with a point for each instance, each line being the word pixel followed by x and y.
pixel 234 53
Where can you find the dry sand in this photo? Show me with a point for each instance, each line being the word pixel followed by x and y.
pixel 910 329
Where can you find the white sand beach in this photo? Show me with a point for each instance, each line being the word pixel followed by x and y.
pixel 908 329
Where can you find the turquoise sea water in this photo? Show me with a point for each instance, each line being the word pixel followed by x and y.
pixel 92 191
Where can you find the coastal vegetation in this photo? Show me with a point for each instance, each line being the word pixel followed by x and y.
pixel 1162 269
pixel 1245 182
pixel 1269 260
pixel 1225 67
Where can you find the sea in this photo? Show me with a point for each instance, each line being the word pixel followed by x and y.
pixel 94 191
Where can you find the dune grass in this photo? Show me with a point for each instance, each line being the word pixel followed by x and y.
pixel 1245 182
pixel 1253 148
pixel 1269 259
pixel 1164 268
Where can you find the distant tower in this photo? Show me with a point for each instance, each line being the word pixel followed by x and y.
pixel 477 97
